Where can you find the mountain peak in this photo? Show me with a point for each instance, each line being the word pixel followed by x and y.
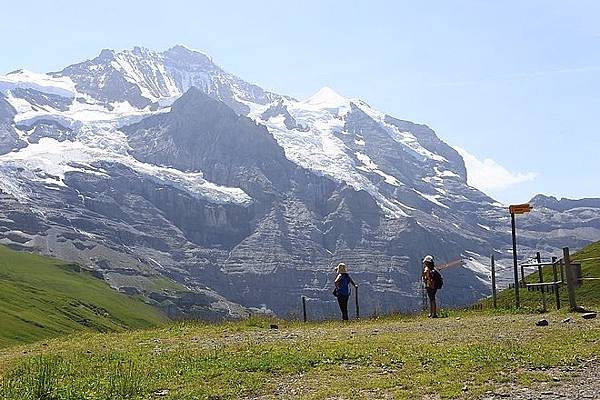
pixel 184 51
pixel 106 54
pixel 327 97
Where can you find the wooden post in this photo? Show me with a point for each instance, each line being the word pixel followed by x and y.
pixel 304 308
pixel 516 268
pixel 522 276
pixel 562 271
pixel 555 277
pixel 569 278
pixel 538 257
pixel 356 300
pixel 494 281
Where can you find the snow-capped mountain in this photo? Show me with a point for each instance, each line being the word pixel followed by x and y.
pixel 141 164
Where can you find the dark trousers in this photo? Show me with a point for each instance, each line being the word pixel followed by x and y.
pixel 343 302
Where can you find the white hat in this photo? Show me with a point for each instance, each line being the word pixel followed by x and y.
pixel 428 259
pixel 341 268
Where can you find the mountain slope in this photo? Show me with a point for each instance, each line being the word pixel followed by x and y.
pixel 42 297
pixel 140 164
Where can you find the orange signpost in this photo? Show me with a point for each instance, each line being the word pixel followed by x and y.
pixel 517 209
pixel 520 208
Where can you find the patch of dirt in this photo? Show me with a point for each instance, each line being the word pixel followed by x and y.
pixel 585 386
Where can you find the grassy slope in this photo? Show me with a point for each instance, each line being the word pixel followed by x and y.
pixel 42 297
pixel 587 295
pixel 404 358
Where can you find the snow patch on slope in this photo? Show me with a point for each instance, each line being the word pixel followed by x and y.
pixel 41 82
pixel 432 198
pixel 370 166
pixel 319 149
pixel 49 161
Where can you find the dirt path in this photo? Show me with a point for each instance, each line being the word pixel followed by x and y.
pixel 585 386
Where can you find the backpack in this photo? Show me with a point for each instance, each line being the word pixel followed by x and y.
pixel 438 280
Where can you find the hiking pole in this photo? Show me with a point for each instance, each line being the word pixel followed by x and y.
pixel 356 300
pixel 304 308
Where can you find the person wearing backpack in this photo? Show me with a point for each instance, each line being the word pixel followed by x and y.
pixel 342 288
pixel 433 281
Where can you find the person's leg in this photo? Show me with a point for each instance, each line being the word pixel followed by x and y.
pixel 432 303
pixel 344 305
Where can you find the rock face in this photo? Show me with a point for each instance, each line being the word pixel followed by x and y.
pixel 213 198
pixel 9 139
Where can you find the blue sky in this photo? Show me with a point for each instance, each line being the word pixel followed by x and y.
pixel 515 84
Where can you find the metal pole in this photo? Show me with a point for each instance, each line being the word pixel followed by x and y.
pixel 569 278
pixel 304 308
pixel 555 277
pixel 516 268
pixel 538 256
pixel 494 281
pixel 356 299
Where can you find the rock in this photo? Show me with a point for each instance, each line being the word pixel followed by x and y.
pixel 566 320
pixel 161 393
pixel 465 388
pixel 542 322
pixel 128 223
pixel 589 315
pixel 274 326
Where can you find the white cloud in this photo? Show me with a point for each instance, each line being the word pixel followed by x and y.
pixel 487 174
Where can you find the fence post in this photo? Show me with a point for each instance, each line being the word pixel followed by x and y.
pixel 555 277
pixel 522 276
pixel 562 271
pixel 494 281
pixel 304 308
pixel 356 300
pixel 541 275
pixel 569 278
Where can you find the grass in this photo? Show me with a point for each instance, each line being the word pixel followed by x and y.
pixel 42 297
pixel 402 357
pixel 587 295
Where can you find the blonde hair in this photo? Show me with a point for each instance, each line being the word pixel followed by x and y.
pixel 341 268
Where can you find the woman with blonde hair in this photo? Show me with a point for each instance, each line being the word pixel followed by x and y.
pixel 342 288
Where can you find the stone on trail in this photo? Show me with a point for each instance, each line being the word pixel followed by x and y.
pixel 273 326
pixel 566 320
pixel 589 315
pixel 542 322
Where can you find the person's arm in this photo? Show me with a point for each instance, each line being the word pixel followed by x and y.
pixel 352 281
pixel 337 280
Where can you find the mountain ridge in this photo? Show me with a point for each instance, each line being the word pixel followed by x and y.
pixel 162 162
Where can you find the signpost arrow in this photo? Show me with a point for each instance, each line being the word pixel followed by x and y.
pixel 520 208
